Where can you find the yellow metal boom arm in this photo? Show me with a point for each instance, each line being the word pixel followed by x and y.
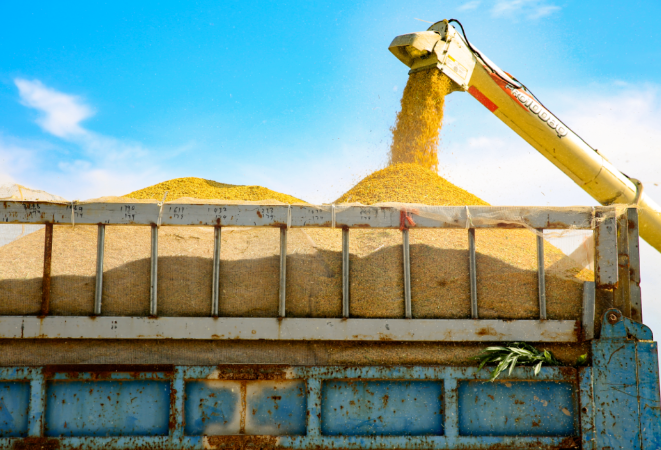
pixel 442 48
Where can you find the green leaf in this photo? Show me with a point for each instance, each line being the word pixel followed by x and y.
pixel 507 357
pixel 493 349
pixel 513 364
pixel 496 371
pixel 581 360
pixel 520 351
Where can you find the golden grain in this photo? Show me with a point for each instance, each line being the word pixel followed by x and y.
pixel 209 189
pixel 415 134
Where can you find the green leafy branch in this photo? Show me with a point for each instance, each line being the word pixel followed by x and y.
pixel 520 353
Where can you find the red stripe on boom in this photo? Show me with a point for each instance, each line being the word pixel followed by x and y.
pixel 480 97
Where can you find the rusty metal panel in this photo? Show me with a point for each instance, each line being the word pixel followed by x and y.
pixel 14 403
pixel 606 257
pixel 517 408
pixel 625 385
pixel 383 408
pixel 587 316
pixel 634 266
pixel 647 363
pixel 276 408
pixel 107 408
pixel 256 407
pixel 587 408
pixel 616 396
pixel 622 294
pixel 268 395
pixel 212 407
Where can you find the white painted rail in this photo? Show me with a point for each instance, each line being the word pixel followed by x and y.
pixel 249 215
pixel 207 328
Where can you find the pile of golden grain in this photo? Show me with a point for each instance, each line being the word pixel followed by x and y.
pixel 507 280
pixel 209 189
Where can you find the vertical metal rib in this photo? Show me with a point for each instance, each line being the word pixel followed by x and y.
pixel 541 277
pixel 588 310
pixel 215 277
pixel 407 273
pixel 622 293
pixel 46 280
pixel 153 305
pixel 345 272
pixel 634 266
pixel 98 290
pixel 283 271
pixel 472 271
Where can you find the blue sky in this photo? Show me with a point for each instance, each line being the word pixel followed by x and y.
pixel 101 99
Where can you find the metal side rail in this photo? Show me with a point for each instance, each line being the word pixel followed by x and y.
pixel 611 252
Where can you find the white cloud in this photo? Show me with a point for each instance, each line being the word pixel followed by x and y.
pixel 96 165
pixel 622 122
pixel 469 6
pixel 61 113
pixel 531 9
pixel 543 11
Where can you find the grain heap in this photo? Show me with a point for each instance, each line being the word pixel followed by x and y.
pixel 415 134
pixel 507 283
pixel 209 189
pixel 408 183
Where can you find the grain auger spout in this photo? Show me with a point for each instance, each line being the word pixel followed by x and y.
pixel 442 47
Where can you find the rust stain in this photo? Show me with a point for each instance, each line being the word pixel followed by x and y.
pixel 104 371
pixel 46 280
pixel 259 214
pixel 244 395
pixel 172 421
pixel 486 331
pixel 36 444
pixel 570 442
pixel 242 442
pixel 568 372
pixel 252 371
pixel 555 225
